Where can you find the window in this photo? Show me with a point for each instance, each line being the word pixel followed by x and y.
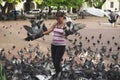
pixel 111 4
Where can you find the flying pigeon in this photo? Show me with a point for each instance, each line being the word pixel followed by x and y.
pixel 72 28
pixel 112 16
pixel 35 31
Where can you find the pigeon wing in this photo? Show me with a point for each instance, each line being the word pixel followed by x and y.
pixel 28 29
pixel 78 26
pixel 96 12
pixel 118 13
pixel 68 19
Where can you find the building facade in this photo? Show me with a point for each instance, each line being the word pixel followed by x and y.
pixel 113 5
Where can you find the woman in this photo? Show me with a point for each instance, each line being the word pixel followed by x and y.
pixel 58 42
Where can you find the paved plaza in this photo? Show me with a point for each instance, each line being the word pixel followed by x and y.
pixel 12 34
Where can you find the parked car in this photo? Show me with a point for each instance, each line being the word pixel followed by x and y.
pixel 13 15
pixel 18 12
pixel 63 9
pixel 29 15
pixel 45 10
pixel 53 9
pixel 35 11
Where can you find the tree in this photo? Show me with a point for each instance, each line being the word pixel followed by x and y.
pixel 76 4
pixel 27 5
pixel 68 3
pixel 39 2
pixel 95 3
pixel 8 5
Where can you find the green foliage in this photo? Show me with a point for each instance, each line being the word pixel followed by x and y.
pixel 95 3
pixel 1 1
pixel 68 3
pixel 99 3
pixel 2 74
pixel 49 2
pixel 89 3
pixel 9 5
pixel 11 1
pixel 76 3
pixel 46 3
pixel 39 2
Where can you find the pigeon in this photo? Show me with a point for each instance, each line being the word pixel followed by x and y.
pixel 13 47
pixel 118 48
pixel 94 44
pixel 113 38
pixel 110 49
pixel 115 43
pixel 86 38
pixel 88 41
pixel 100 36
pixel 4 35
pixel 35 31
pixel 115 56
pixel 98 41
pixel 108 42
pixel 1 50
pixel 72 28
pixel 92 37
pixel 112 16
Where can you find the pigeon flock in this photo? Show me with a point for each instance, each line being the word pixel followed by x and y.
pixel 89 66
pixel 80 64
pixel 37 28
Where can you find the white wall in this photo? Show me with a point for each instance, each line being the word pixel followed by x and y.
pixel 19 6
pixel 107 4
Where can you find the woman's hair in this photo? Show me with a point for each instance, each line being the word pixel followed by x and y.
pixel 60 14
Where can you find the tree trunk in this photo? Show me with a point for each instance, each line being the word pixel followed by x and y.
pixel 10 6
pixel 3 9
pixel 28 6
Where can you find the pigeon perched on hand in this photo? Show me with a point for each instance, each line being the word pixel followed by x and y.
pixel 35 31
